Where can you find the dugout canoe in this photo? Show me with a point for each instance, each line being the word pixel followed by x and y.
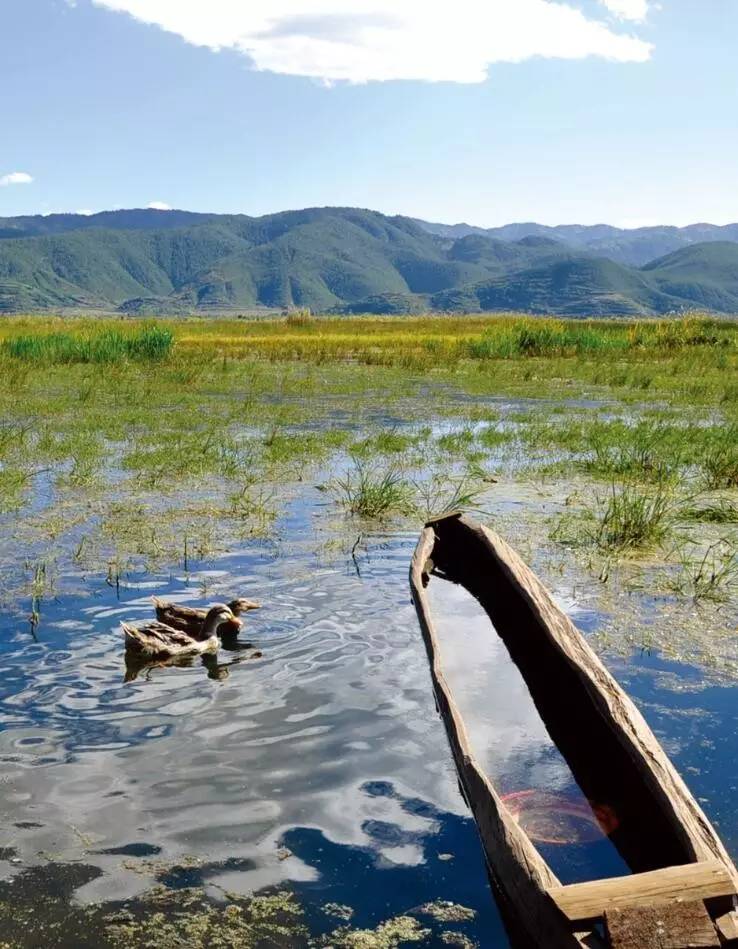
pixel 683 882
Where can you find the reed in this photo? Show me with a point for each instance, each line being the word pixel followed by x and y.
pixel 711 576
pixel 148 344
pixel 631 519
pixel 373 493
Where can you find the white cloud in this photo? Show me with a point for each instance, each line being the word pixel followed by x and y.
pixel 636 10
pixel 375 40
pixel 159 206
pixel 15 178
pixel 86 212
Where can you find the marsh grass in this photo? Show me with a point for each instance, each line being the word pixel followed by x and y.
pixel 720 460
pixel 711 576
pixel 720 511
pixel 206 442
pixel 372 492
pixel 388 441
pixel 629 518
pixel 442 494
pixel 12 483
pixel 148 344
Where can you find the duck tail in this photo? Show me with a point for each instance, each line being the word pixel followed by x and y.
pixel 158 602
pixel 134 640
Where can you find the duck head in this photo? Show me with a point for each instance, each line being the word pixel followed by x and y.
pixel 242 605
pixel 219 620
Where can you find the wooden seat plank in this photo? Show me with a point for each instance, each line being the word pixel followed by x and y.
pixel 727 926
pixel 694 881
pixel 677 926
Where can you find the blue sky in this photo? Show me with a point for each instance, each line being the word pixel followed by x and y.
pixel 487 111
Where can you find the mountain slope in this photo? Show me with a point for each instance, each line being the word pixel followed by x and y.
pixel 705 275
pixel 579 286
pixel 340 259
pixel 634 247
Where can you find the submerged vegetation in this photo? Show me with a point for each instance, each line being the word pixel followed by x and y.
pixel 132 469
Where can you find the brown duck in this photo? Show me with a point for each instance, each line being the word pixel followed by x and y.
pixel 190 619
pixel 156 640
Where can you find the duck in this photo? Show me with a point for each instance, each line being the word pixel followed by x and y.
pixel 157 640
pixel 190 619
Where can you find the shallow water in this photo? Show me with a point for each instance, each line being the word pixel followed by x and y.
pixel 322 765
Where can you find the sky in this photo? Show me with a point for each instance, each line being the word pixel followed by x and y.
pixel 485 111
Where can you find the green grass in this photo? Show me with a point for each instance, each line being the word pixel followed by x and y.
pixel 148 344
pixel 720 511
pixel 711 576
pixel 236 412
pixel 373 493
pixel 720 460
pixel 630 519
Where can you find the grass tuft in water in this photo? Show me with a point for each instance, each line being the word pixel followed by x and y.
pixel 444 495
pixel 372 492
pixel 710 577
pixel 630 518
pixel 720 461
pixel 721 511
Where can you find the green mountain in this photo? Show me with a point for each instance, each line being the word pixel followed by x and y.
pixel 634 247
pixel 340 260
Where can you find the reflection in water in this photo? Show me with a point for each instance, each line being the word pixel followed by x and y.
pixel 219 671
pixel 329 745
pixel 217 764
pixel 512 744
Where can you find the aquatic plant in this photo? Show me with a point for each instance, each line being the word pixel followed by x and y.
pixel 442 494
pixel 710 576
pixel 372 492
pixel 720 460
pixel 629 518
pixel 721 511
pixel 388 935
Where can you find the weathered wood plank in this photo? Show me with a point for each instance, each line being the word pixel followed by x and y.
pixel 727 926
pixel 679 926
pixel 695 881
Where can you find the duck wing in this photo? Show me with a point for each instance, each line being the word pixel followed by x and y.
pixel 156 638
pixel 186 618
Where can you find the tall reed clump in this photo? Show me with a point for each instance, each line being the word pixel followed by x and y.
pixel 720 460
pixel 519 337
pixel 148 344
pixel 630 518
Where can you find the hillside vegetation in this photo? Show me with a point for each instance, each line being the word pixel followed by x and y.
pixel 338 260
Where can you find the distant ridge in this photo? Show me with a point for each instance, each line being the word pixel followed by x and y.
pixel 635 247
pixel 355 260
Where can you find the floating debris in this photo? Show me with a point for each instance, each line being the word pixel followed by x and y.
pixel 185 918
pixel 338 910
pixel 447 912
pixel 458 939
pixel 387 935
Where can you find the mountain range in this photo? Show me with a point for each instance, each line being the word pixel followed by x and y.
pixel 353 260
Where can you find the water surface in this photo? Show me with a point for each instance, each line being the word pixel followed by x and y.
pixel 322 766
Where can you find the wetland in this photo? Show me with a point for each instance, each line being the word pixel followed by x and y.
pixel 307 796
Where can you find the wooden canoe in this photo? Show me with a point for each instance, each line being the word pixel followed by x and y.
pixel 677 860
